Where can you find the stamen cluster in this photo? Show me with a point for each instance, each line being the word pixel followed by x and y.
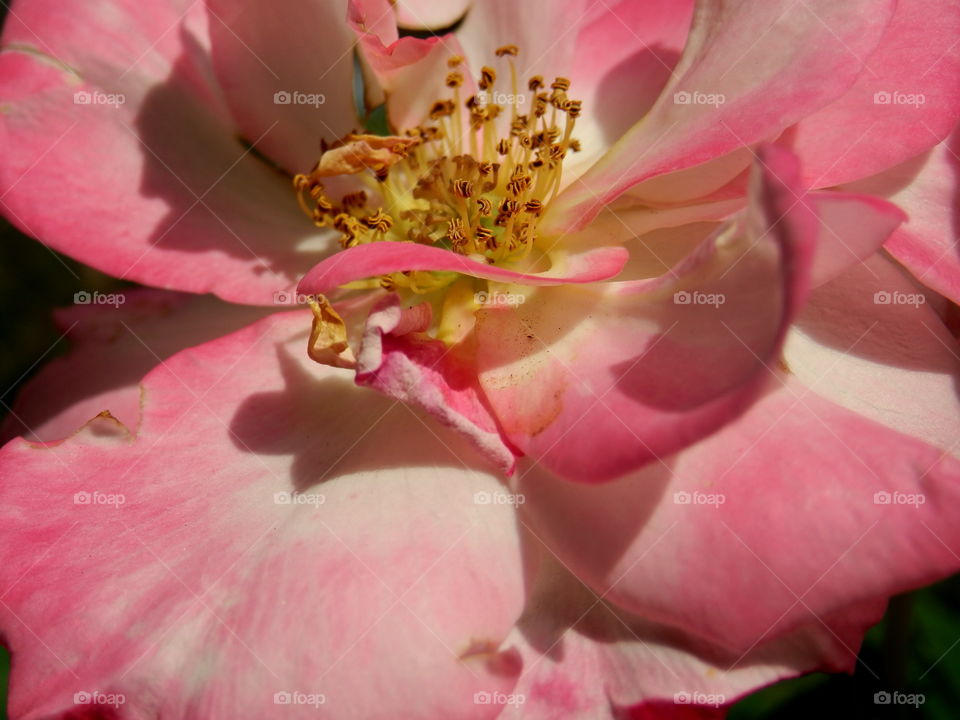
pixel 461 179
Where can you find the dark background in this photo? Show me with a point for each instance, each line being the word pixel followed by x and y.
pixel 916 649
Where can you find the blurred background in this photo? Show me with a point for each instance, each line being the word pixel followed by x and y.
pixel 916 649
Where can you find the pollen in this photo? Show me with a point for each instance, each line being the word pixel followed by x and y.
pixel 475 177
pixel 488 76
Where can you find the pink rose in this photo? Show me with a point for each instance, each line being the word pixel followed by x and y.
pixel 666 403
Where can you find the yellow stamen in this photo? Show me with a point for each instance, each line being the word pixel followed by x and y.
pixel 483 198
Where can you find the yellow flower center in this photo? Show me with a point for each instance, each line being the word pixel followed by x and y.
pixel 454 184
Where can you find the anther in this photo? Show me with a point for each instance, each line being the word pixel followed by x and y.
pixel 536 82
pixel 441 108
pixel 350 229
pixel 484 236
pixel 379 221
pixel 484 206
pixel 519 183
pixel 454 80
pixel 462 188
pixel 511 50
pixel 508 208
pixel 487 78
pixel 455 233
pixel 540 105
pixel 355 199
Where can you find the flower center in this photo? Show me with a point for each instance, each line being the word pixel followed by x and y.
pixel 455 181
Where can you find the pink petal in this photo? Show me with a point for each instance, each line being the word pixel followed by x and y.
pixel 285 46
pixel 111 348
pixel 593 383
pixel 381 258
pixel 871 342
pixel 545 31
pixel 906 100
pixel 781 505
pixel 203 593
pixel 798 58
pixel 181 203
pixel 622 60
pixel 584 658
pixel 427 14
pixel 410 70
pixel 400 361
pixel 852 228
pixel 926 187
